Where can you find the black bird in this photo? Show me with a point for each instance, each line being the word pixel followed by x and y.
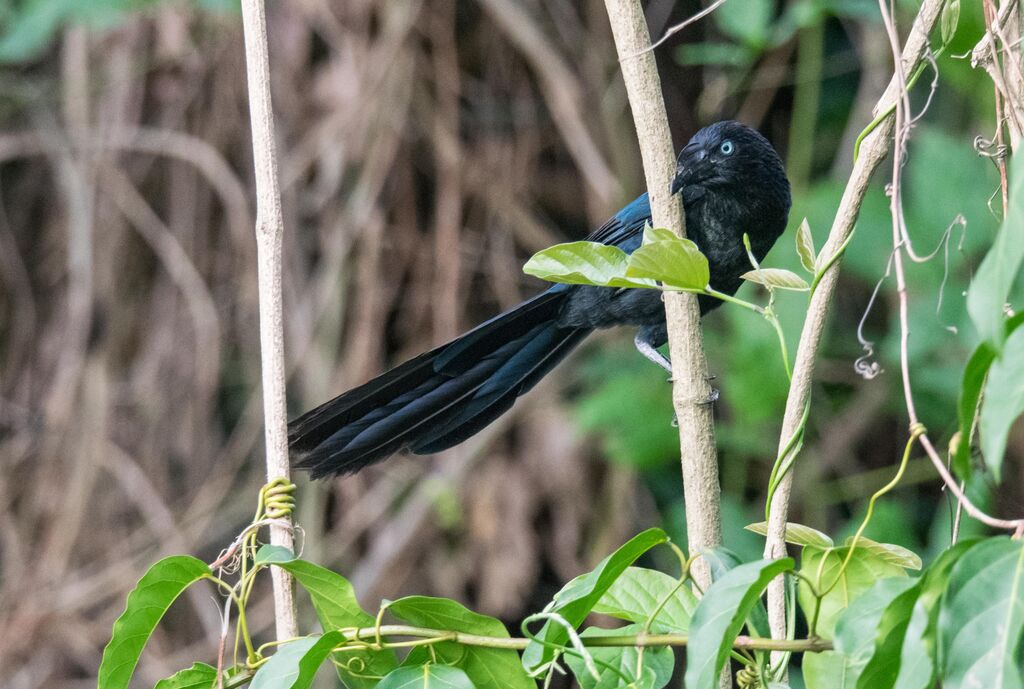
pixel 732 181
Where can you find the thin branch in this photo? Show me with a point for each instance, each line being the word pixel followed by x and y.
pixel 690 391
pixel 812 645
pixel 269 235
pixel 872 151
pixel 673 30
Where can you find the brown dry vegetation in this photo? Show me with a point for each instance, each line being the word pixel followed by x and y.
pixel 426 149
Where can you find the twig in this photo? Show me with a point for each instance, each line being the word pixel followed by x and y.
pixel 811 645
pixel 673 30
pixel 872 151
pixel 269 235
pixel 690 389
pixel 901 244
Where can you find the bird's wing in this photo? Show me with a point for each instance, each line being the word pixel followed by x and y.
pixel 625 228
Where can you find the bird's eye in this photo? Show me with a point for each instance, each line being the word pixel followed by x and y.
pixel 727 148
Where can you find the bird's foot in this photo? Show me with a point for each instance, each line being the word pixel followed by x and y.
pixel 652 354
pixel 712 397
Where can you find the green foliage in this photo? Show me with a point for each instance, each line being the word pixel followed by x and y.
pixel 1004 401
pixel 991 286
pixel 982 618
pixel 199 676
pixel 146 605
pixel 296 663
pixel 642 668
pixel 577 598
pixel 868 628
pixel 797 534
pixel 29 27
pixel 777 277
pixel 676 262
pixel 488 668
pixel 663 257
pixel 336 608
pixel 638 434
pixel 638 591
pixel 805 247
pixel 996 363
pixel 720 616
pixel 583 263
pixel 426 677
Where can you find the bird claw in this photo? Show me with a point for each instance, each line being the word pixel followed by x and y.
pixel 712 397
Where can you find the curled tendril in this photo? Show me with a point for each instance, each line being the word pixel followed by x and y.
pixel 748 678
pixel 990 149
pixel 277 498
pixel 864 365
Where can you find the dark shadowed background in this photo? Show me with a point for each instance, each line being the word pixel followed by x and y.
pixel 427 148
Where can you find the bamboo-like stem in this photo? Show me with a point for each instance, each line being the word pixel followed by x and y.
pixel 690 390
pixel 873 150
pixel 269 233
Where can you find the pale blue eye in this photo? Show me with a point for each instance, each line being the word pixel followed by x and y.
pixel 727 148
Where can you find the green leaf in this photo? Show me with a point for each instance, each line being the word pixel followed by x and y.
pixel 273 555
pixel 822 567
pixel 982 617
pixel 1004 401
pixel 917 663
pixel 583 263
pixel 147 603
pixel 638 593
pixel 575 601
pixel 995 277
pixel 805 247
pixel 675 262
pixel 973 380
pixel 967 405
pixel 199 676
pixel 888 552
pixel 721 561
pixel 656 668
pixel 861 634
pixel 295 663
pixel 337 608
pixel 948 20
pixel 797 534
pixel 658 234
pixel 779 278
pixel 426 677
pixel 720 616
pixel 488 668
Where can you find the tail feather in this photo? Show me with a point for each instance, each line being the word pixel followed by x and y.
pixel 496 397
pixel 439 398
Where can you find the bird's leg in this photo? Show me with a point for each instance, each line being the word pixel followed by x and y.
pixel 651 353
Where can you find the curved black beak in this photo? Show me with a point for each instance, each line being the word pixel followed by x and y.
pixel 691 158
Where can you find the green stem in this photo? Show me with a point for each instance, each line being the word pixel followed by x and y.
pixel 864 525
pixel 240 607
pixel 785 460
pixel 812 645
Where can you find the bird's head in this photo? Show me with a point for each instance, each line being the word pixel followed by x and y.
pixel 729 156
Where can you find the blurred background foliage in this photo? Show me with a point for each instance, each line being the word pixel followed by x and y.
pixel 428 147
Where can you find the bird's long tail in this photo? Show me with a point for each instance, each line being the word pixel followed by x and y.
pixel 439 398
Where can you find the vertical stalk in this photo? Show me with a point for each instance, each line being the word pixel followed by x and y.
pixel 269 234
pixel 690 388
pixel 873 150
